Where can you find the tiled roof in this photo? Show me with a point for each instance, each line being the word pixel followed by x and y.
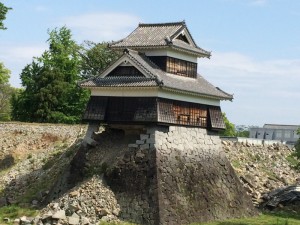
pixel 120 81
pixel 157 77
pixel 281 126
pixel 159 35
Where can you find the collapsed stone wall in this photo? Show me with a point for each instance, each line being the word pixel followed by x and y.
pixel 152 175
pixel 130 174
pixel 262 168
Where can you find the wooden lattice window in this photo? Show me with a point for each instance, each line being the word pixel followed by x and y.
pixel 183 113
pixel 216 118
pixel 181 67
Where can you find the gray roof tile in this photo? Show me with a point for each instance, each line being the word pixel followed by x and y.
pixel 159 35
pixel 157 77
pixel 120 81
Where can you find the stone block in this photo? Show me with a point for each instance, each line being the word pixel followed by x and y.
pixel 61 215
pixel 150 141
pixel 152 136
pixel 133 145
pixel 144 146
pixel 152 146
pixel 180 147
pixel 73 220
pixel 144 136
pixel 140 142
pixel 172 128
pixel 170 139
pixel 158 142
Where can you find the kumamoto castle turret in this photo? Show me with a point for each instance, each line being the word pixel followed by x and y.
pixel 156 81
pixel 160 118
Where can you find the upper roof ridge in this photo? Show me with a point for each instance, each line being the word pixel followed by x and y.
pixel 128 50
pixel 162 24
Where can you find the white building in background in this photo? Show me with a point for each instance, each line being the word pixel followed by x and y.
pixel 284 133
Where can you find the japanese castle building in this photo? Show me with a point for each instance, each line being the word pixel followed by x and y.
pixel 155 81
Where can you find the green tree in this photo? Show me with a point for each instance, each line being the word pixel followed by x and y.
pixel 6 92
pixel 230 128
pixel 297 146
pixel 242 131
pixel 96 57
pixel 51 93
pixel 3 11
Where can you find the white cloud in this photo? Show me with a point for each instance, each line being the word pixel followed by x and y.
pixel 20 53
pixel 262 89
pixel 16 57
pixel 101 26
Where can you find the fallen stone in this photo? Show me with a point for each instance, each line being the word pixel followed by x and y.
pixel 73 220
pixel 74 194
pixel 116 212
pixel 103 212
pixel 75 215
pixel 84 221
pixel 282 196
pixel 24 220
pixel 61 215
pixel 6 220
pixel 55 205
pixel 35 202
pixel 47 215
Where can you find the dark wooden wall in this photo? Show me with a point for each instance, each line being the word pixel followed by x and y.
pixel 125 71
pixel 152 110
pixel 175 66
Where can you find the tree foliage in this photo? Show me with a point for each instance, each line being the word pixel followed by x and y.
pixel 242 130
pixel 6 92
pixel 297 146
pixel 51 93
pixel 3 11
pixel 230 128
pixel 96 57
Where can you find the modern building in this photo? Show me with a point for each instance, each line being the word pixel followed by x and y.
pixel 283 133
pixel 156 81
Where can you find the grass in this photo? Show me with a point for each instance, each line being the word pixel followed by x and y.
pixel 236 164
pixel 278 218
pixel 267 218
pixel 294 163
pixel 114 223
pixel 12 212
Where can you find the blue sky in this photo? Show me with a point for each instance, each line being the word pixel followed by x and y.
pixel 255 44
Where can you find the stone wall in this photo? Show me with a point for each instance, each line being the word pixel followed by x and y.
pixel 196 182
pixel 176 175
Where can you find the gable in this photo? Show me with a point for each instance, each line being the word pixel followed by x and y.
pixel 125 71
pixel 125 66
pixel 184 36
